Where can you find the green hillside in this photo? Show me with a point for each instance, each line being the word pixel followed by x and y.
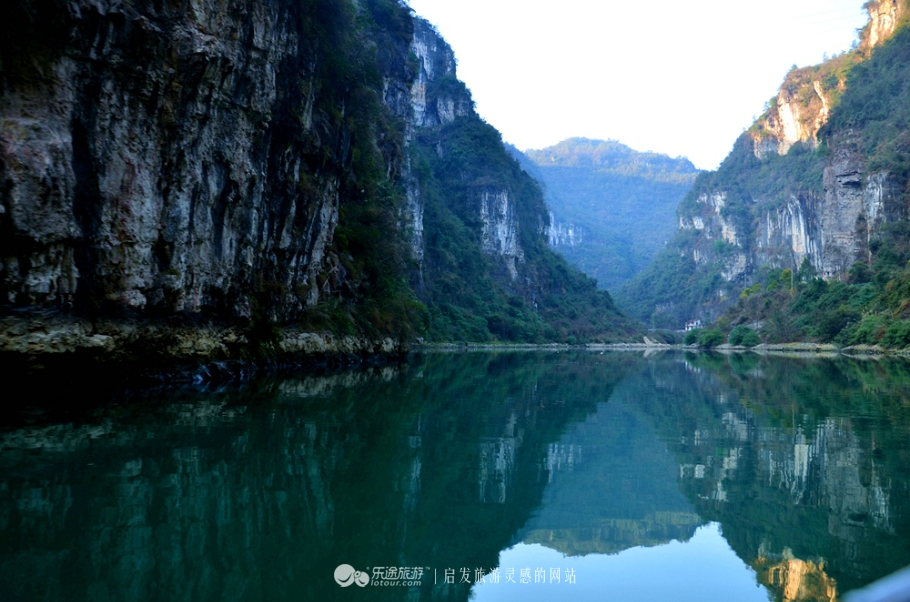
pixel 469 294
pixel 803 239
pixel 619 203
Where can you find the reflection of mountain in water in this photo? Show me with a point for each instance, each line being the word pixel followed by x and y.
pixel 261 493
pixel 612 486
pixel 804 463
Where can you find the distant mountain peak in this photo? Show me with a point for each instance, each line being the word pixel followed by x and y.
pixel 612 156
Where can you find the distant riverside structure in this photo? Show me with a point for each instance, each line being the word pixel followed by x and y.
pixel 693 324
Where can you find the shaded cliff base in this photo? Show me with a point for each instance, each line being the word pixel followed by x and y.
pixel 114 353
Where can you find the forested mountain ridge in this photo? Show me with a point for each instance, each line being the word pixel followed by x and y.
pixel 612 209
pixel 206 178
pixel 819 185
pixel 486 273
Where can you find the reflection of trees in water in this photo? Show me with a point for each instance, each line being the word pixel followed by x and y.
pixel 261 493
pixel 802 458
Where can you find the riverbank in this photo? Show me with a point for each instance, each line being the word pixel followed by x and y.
pixel 63 348
pixel 797 347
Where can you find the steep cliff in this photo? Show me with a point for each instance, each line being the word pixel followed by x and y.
pixel 236 164
pixel 822 177
pixel 483 266
pixel 214 161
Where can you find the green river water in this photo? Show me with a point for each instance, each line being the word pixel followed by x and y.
pixel 486 476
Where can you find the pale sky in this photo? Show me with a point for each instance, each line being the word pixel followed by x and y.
pixel 681 77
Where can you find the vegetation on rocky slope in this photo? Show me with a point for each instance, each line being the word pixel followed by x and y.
pixel 868 131
pixel 469 293
pixel 263 190
pixel 871 308
pixel 619 203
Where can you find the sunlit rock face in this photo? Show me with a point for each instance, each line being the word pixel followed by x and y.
pixel 884 15
pixel 803 104
pixel 780 198
pixel 794 119
pixel 833 231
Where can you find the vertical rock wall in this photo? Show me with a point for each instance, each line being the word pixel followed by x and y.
pixel 191 159
pixel 782 198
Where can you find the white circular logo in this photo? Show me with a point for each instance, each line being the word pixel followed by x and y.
pixel 345 575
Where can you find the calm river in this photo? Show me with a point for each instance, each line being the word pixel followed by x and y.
pixel 484 476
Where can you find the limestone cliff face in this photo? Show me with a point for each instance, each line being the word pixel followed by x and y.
pixel 716 226
pixel 857 203
pixel 563 233
pixel 803 104
pixel 236 164
pixel 832 229
pixel 790 233
pixel 198 159
pixel 798 113
pixel 437 99
pixel 437 64
pixel 500 228
pixel 146 164
pixel 884 16
pixel 809 181
pixel 431 105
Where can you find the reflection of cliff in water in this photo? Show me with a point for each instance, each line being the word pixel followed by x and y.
pixel 792 579
pixel 804 462
pixel 262 493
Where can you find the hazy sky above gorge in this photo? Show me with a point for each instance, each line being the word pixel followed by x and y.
pixel 682 77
